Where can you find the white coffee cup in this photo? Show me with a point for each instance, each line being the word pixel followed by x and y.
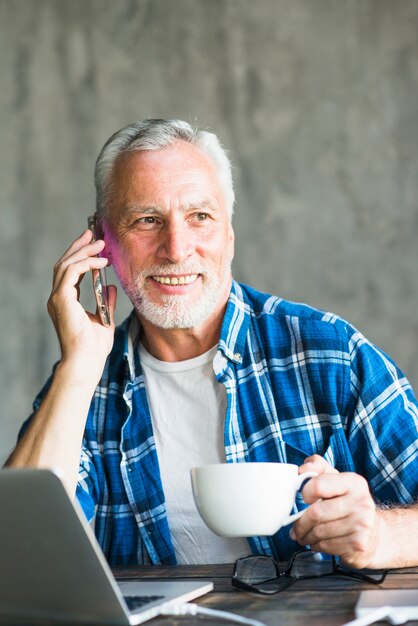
pixel 247 499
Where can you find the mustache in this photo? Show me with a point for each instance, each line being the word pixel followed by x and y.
pixel 180 268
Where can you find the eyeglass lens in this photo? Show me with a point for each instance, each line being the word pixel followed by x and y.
pixel 257 569
pixel 262 574
pixel 310 564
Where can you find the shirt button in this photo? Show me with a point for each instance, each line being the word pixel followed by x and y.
pixel 238 357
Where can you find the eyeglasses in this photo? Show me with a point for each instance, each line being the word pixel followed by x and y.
pixel 263 574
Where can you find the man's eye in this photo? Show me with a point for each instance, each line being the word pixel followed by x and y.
pixel 201 217
pixel 147 220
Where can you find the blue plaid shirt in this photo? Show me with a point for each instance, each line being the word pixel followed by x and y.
pixel 299 381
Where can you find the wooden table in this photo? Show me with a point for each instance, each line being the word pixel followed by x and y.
pixel 322 602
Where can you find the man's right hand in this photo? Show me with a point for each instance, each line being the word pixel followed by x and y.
pixel 84 341
pixel 54 436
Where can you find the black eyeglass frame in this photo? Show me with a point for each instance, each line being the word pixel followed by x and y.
pixel 337 570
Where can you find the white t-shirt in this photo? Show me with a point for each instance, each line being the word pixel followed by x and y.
pixel 188 408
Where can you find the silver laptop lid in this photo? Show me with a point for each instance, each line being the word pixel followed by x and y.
pixel 50 560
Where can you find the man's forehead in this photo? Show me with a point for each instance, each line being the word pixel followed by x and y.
pixel 153 176
pixel 186 202
pixel 179 155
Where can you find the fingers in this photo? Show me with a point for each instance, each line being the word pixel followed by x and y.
pixel 81 249
pixel 69 277
pixel 84 239
pixel 318 464
pixel 329 513
pixel 341 519
pixel 354 541
pixel 79 258
pixel 330 485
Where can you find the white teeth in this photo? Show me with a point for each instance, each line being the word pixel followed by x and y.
pixel 181 280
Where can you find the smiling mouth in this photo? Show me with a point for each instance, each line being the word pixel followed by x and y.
pixel 176 280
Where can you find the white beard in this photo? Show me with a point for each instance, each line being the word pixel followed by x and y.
pixel 176 312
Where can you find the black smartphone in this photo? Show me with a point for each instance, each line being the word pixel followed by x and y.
pixel 99 277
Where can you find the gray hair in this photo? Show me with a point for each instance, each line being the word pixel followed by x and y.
pixel 156 134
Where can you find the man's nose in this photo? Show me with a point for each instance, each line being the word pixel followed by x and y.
pixel 176 243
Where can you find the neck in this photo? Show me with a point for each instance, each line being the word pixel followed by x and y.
pixel 181 344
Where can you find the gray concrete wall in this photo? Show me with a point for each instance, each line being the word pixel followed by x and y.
pixel 316 100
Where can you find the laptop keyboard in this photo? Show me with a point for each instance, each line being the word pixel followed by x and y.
pixel 137 602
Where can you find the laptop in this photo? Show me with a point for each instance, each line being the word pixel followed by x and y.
pixel 52 568
pixel 402 604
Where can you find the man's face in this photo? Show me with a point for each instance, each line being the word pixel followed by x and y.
pixel 168 235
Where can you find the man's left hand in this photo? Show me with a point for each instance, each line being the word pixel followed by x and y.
pixel 342 518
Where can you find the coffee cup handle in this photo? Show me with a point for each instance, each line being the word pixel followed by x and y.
pixel 301 479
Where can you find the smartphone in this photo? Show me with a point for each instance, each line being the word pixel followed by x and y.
pixel 99 277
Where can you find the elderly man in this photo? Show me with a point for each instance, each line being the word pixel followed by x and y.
pixel 207 370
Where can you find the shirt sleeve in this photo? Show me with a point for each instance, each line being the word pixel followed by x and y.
pixel 87 483
pixel 383 423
